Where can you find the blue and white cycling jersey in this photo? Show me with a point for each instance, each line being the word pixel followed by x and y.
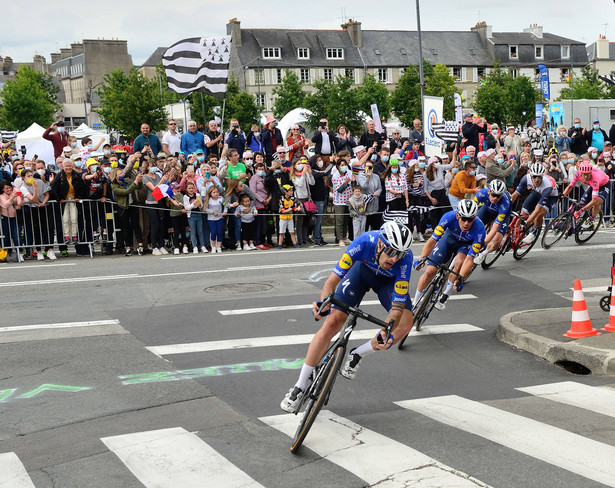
pixel 363 250
pixel 499 210
pixel 449 227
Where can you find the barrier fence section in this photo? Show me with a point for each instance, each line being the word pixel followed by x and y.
pixel 57 226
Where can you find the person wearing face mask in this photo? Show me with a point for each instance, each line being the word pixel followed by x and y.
pixel 154 210
pixel 512 141
pixel 492 139
pixel 88 148
pixel 319 191
pixel 537 135
pixel 497 168
pixel 124 189
pixel 248 161
pixel 371 186
pixel 59 138
pixel 592 154
pixel 463 183
pixel 596 137
pixel 301 178
pixel 577 134
pixel 68 188
pixel 562 141
pixel 435 188
pixel 295 143
pixel 36 194
pixel 271 137
pixel 342 190
pixel 254 140
pixel 262 198
pixel 417 200
pixel 235 138
pixel 396 188
pixel 275 179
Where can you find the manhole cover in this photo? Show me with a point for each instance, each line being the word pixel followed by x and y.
pixel 238 288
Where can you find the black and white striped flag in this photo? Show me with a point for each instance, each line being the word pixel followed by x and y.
pixel 610 79
pixel 8 135
pixel 447 130
pixel 198 64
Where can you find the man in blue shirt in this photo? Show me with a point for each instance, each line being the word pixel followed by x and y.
pixel 596 136
pixel 147 138
pixel 193 140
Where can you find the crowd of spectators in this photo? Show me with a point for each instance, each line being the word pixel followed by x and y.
pixel 211 191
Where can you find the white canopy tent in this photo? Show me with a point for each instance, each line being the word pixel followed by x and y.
pixel 84 130
pixel 32 140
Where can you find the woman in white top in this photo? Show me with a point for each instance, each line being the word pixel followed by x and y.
pixel 301 177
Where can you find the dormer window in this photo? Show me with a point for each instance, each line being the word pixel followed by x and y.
pixel 303 53
pixel 272 53
pixel 538 51
pixel 512 52
pixel 335 53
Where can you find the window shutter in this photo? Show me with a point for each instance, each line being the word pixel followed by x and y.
pixel 252 77
pixel 389 75
pixel 321 74
pixel 267 77
pixel 312 75
pixel 464 75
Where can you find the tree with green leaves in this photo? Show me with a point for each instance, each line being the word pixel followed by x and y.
pixel 336 101
pixel 29 98
pixel 129 101
pixel 289 95
pixel 440 83
pixel 371 91
pixel 506 100
pixel 406 98
pixel 588 85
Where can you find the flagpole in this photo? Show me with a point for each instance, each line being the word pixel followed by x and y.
pixel 222 120
pixel 204 119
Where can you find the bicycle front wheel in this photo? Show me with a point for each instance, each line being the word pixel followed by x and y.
pixel 319 395
pixel 522 247
pixel 587 229
pixel 423 309
pixel 556 229
pixel 492 257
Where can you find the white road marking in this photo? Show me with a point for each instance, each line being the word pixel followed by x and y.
pixel 67 280
pixel 573 452
pixel 600 400
pixel 350 445
pixel 169 458
pixel 305 306
pixel 61 325
pixel 294 339
pixel 13 474
pixel 29 266
pixel 593 289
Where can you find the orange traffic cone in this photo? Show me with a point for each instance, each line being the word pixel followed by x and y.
pixel 581 325
pixel 610 327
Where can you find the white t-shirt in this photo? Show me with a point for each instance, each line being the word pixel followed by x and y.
pixel 173 141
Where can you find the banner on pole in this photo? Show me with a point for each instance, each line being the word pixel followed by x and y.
pixel 556 113
pixel 544 80
pixel 538 116
pixel 432 115
pixel 376 117
pixel 458 110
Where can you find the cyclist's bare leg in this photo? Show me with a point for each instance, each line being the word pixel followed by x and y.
pixel 425 279
pixel 321 340
pixel 537 216
pixel 595 204
pixel 495 242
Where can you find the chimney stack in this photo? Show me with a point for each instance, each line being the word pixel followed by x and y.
pixel 233 28
pixel 354 31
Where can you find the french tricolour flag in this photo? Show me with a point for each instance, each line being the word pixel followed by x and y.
pixel 162 191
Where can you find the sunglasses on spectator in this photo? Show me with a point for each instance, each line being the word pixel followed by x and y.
pixel 389 251
pixel 173 124
pixel 467 219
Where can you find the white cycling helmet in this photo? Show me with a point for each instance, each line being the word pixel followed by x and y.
pixel 396 236
pixel 467 208
pixel 537 169
pixel 497 187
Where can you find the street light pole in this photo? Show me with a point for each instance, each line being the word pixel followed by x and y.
pixel 258 79
pixel 421 74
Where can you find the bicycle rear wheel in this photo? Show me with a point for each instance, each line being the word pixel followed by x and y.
pixel 522 248
pixel 556 229
pixel 491 258
pixel 319 395
pixel 423 309
pixel 587 229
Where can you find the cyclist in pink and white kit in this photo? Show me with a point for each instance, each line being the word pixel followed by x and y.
pixel 598 190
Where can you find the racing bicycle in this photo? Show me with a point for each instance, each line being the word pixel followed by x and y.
pixel 513 239
pixel 426 302
pixel 565 224
pixel 318 392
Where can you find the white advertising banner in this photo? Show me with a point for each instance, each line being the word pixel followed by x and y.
pixel 432 114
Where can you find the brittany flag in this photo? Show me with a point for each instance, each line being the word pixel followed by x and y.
pixel 198 64
pixel 162 191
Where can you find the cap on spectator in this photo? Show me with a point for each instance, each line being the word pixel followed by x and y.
pixel 105 162
pixel 596 121
pixel 605 154
pixel 67 149
pixel 358 149
pixel 510 127
pixel 287 187
pixel 444 156
pixel 608 143
pixel 489 152
pixel 480 177
pixel 495 126
pixel 481 154
pixel 270 119
pixel 162 155
pixel 175 185
pixel 181 152
pixel 74 157
pixel 538 152
pixel 90 162
pixel 415 141
pixel 467 114
pixel 421 158
pixel 412 162
pixel 432 160
pixel 198 151
pixel 393 162
pixel 464 157
pixel 591 149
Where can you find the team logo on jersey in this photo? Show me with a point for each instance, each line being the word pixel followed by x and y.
pixel 401 287
pixel 345 262
pixel 439 231
pixel 476 247
pixel 501 217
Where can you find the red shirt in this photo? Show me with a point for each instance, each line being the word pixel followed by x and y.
pixel 58 139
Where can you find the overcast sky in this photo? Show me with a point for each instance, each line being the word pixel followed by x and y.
pixel 42 27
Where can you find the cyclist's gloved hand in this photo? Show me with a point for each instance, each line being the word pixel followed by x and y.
pixel 458 285
pixel 380 339
pixel 578 213
pixel 419 263
pixel 316 307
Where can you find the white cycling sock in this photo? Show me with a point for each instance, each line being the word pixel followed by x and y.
pixel 417 295
pixel 304 376
pixel 364 349
pixel 449 288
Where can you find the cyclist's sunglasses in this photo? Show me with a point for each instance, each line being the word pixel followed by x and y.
pixel 389 251
pixel 537 178
pixel 467 219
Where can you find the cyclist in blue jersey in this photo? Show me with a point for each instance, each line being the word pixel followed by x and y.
pixel 458 233
pixel 539 202
pixel 495 211
pixel 380 260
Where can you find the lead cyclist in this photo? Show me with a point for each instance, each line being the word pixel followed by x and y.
pixel 380 260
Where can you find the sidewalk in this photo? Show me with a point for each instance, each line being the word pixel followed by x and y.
pixel 540 332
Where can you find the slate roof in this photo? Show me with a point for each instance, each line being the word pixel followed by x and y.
pixel 529 38
pixel 156 57
pixel 591 51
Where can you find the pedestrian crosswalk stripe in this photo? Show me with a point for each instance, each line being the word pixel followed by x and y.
pixel 550 444
pixel 13 474
pixel 171 458
pixel 600 400
pixel 351 446
pixel 294 339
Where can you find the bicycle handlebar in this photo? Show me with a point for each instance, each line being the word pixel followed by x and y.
pixel 442 266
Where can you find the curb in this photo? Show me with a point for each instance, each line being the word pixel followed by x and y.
pixel 599 361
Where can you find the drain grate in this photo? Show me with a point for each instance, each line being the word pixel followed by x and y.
pixel 225 289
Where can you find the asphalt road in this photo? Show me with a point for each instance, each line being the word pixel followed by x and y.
pixel 169 372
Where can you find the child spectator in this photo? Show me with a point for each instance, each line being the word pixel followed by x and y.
pixel 178 220
pixel 246 211
pixel 215 207
pixel 357 207
pixel 288 206
pixel 193 205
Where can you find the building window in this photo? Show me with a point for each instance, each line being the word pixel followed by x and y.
pixel 537 75
pixel 512 52
pixel 303 53
pixel 272 53
pixel 538 52
pixel 480 72
pixel 259 78
pixel 565 52
pixel 279 75
pixel 261 101
pixel 335 53
pixel 382 75
pixel 457 74
pixel 328 74
pixel 305 75
pixel 513 72
pixel 564 74
pixel 349 74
